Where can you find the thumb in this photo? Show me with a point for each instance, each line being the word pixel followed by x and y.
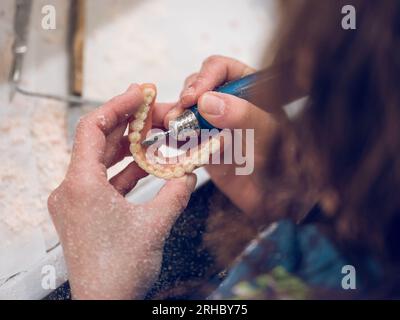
pixel 170 201
pixel 226 111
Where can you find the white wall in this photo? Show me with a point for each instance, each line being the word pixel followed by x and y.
pixel 163 41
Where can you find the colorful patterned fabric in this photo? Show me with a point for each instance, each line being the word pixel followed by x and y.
pixel 289 261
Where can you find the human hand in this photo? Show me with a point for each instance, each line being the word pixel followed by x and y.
pixel 230 112
pixel 113 248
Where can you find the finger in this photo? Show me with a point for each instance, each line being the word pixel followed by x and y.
pixel 118 109
pixel 170 201
pixel 215 71
pixel 122 152
pixel 114 143
pixel 159 112
pixel 230 112
pixel 90 140
pixel 126 180
pixel 189 81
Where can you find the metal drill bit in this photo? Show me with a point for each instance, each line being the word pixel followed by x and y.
pixel 155 137
pixel 179 128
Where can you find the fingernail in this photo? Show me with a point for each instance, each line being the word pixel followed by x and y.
pixel 191 181
pixel 212 104
pixel 189 91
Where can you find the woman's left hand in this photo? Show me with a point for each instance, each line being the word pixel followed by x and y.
pixel 113 248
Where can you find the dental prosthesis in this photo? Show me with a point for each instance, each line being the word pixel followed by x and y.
pixel 158 165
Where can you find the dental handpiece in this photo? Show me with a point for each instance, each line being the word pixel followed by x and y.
pixel 192 121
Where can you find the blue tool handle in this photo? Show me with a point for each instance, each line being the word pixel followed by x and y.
pixel 241 88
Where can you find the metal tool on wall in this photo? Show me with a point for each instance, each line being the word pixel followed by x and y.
pixel 20 47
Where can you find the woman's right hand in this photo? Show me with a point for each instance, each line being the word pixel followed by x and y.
pixel 227 111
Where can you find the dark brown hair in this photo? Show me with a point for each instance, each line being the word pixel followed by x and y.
pixel 348 137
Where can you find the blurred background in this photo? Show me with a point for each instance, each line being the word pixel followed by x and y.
pixel 49 77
